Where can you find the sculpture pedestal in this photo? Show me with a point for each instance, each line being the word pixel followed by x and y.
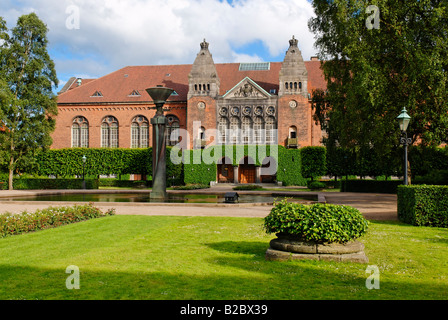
pixel 287 248
pixel 158 157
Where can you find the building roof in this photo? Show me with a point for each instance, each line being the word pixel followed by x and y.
pixel 128 84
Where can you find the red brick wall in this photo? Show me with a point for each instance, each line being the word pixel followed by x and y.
pixel 301 117
pixel 206 116
pixel 95 114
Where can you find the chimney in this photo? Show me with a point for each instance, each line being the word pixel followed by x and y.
pixel 314 58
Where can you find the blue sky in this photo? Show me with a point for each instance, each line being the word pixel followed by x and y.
pixel 90 39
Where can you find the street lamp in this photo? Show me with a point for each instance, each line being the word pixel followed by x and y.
pixel 403 121
pixel 84 159
pixel 159 95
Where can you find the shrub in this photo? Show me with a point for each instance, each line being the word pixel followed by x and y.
pixel 193 186
pixel 13 224
pixel 289 170
pixel 108 182
pixel 314 162
pixel 47 183
pixel 423 205
pixel 315 185
pixel 318 222
pixel 370 186
pixel 248 187
pixel 434 177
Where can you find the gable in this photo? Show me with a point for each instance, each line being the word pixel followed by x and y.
pixel 247 88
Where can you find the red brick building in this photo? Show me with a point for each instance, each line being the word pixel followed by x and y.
pixel 115 110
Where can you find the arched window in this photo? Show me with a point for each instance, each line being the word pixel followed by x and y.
pixel 270 130
pixel 286 86
pixel 139 132
pixel 201 135
pixel 295 85
pixel 172 130
pixel 246 130
pixel 109 132
pixel 235 126
pixel 223 126
pixel 300 85
pixel 80 133
pixel 258 130
pixel 292 132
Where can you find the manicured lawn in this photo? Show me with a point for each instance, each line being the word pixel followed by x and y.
pixel 142 257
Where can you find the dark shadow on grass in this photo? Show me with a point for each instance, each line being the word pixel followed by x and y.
pixel 244 247
pixel 262 280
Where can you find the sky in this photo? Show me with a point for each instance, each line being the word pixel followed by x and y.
pixel 92 38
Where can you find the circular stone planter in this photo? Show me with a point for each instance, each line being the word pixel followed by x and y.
pixel 287 247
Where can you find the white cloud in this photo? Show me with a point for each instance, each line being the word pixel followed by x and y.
pixel 115 33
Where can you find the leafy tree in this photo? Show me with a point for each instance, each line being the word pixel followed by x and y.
pixel 28 105
pixel 373 73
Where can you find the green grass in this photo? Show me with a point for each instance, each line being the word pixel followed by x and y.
pixel 150 257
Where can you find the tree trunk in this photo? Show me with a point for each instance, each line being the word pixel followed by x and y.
pixel 11 173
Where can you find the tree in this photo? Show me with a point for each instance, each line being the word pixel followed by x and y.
pixel 28 104
pixel 373 73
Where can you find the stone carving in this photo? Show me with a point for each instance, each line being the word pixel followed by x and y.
pixel 246 91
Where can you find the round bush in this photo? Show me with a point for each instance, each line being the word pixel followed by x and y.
pixel 316 185
pixel 318 222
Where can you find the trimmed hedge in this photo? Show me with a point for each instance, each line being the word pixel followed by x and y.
pixel 47 183
pixel 197 171
pixel 103 161
pixel 314 162
pixel 370 186
pixel 109 182
pixel 290 167
pixel 13 224
pixel 248 187
pixel 422 205
pixel 318 222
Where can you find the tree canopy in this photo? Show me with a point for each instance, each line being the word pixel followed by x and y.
pixel 28 104
pixel 372 73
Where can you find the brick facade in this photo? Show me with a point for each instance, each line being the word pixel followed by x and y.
pixel 205 92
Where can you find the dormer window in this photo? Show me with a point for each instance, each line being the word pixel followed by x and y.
pixel 97 94
pixel 135 93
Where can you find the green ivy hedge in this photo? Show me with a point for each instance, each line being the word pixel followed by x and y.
pixel 196 171
pixel 103 161
pixel 47 183
pixel 423 205
pixel 370 186
pixel 290 167
pixel 318 222
pixel 423 159
pixel 287 161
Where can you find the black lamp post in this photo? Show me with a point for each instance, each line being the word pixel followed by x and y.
pixel 403 120
pixel 159 95
pixel 84 159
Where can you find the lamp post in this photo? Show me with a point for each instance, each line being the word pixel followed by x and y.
pixel 403 121
pixel 84 159
pixel 159 95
